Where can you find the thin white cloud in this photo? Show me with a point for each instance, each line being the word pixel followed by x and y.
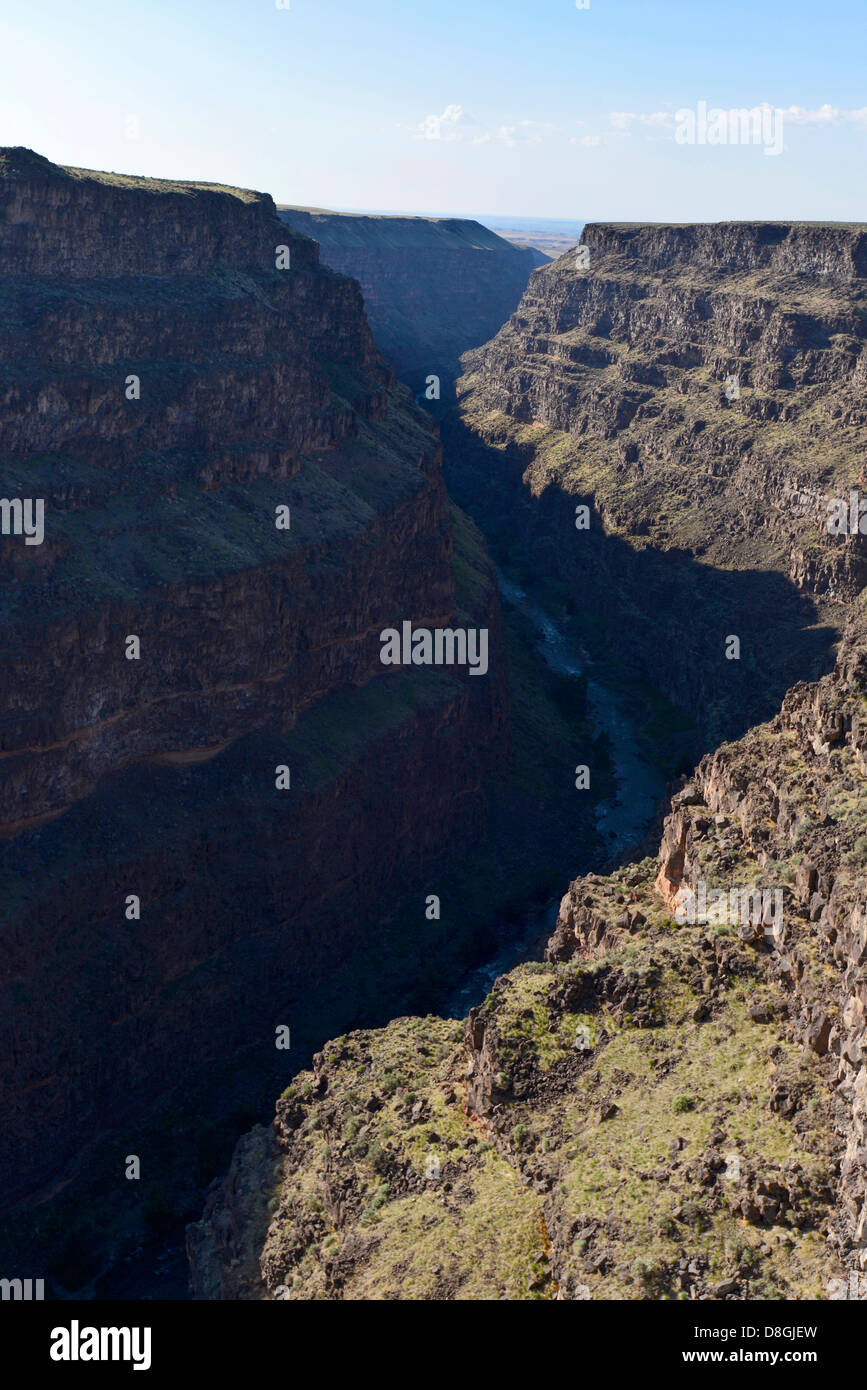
pixel 824 115
pixel 624 120
pixel 627 121
pixel 457 124
pixel 800 115
pixel 454 124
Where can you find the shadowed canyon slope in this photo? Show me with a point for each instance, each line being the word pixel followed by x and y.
pixel 673 1104
pixel 170 394
pixel 433 287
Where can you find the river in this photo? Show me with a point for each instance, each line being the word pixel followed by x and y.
pixel 622 820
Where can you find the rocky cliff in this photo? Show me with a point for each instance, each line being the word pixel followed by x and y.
pixel 433 287
pixel 672 1104
pixel 237 500
pixel 700 391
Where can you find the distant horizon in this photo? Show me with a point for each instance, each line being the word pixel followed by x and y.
pixel 515 222
pixel 495 221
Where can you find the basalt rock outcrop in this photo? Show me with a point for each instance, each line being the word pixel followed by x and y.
pixel 237 498
pixel 432 286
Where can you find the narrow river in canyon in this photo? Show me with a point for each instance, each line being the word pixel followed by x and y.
pixel 621 821
pixel 159 1269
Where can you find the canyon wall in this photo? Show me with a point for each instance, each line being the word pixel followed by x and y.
pixel 238 498
pixel 700 390
pixel 433 287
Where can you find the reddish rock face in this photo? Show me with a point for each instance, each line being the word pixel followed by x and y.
pixel 168 392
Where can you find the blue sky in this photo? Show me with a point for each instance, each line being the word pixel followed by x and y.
pixel 456 106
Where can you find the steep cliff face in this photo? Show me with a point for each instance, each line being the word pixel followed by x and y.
pixel 700 390
pixel 835 250
pixel 231 478
pixel 234 383
pixel 432 286
pixel 84 224
pixel 787 806
pixel 672 1105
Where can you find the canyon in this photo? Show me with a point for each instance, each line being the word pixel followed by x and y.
pixel 176 388
pixel 661 1107
pixel 433 287
pixel 212 399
